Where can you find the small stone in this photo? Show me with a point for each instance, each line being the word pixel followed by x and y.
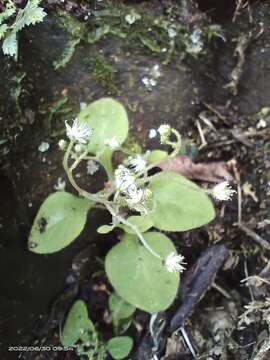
pixel 44 146
pixel 152 133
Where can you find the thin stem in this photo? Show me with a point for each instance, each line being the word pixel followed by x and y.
pixel 77 161
pixel 68 171
pixel 135 229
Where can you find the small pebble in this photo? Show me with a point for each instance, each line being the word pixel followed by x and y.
pixel 44 146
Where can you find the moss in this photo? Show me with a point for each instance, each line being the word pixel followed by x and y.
pixel 104 74
pixel 159 35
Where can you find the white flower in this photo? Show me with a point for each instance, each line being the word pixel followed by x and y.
pixel 174 262
pixel 78 131
pixel 112 143
pixel 134 195
pixel 123 178
pixel 138 163
pixel 138 199
pixel 92 167
pixel 223 191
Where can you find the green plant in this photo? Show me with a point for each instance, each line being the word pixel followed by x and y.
pixel 12 20
pixel 137 202
pixel 80 332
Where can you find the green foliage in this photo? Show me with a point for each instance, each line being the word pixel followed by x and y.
pixel 108 119
pixel 59 221
pixel 16 87
pixel 77 324
pixel 105 229
pixel 80 331
pixel 67 54
pixel 119 347
pixel 180 205
pixel 137 27
pixel 121 313
pixel 59 107
pixel 9 27
pixel 142 223
pixel 139 277
pixel 157 156
pixel 144 267
pixel 104 74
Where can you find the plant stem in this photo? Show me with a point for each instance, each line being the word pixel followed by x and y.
pixel 68 171
pixel 135 229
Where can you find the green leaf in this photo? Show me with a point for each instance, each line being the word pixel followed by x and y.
pixel 30 15
pixel 119 347
pixel 120 310
pixel 156 156
pixel 123 325
pixel 143 223
pixel 77 324
pixel 105 159
pixel 140 278
pixel 67 54
pixel 33 13
pixel 59 221
pixel 3 29
pixel 9 10
pixel 105 229
pixel 180 204
pixel 10 45
pixel 107 118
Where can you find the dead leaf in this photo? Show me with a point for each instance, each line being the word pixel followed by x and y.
pixel 183 165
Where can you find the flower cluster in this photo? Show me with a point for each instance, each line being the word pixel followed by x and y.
pixel 79 132
pixel 138 163
pixel 134 197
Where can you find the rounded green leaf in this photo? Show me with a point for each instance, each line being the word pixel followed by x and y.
pixel 119 347
pixel 140 278
pixel 143 223
pixel 77 323
pixel 105 229
pixel 119 308
pixel 156 156
pixel 59 221
pixel 180 204
pixel 108 119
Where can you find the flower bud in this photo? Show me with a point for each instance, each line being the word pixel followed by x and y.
pixel 62 144
pixel 164 132
pixel 79 148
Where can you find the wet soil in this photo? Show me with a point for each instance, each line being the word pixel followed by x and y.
pixel 187 90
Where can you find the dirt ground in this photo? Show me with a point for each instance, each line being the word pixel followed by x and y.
pixel 219 99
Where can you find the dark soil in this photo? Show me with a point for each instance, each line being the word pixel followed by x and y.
pixel 38 290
